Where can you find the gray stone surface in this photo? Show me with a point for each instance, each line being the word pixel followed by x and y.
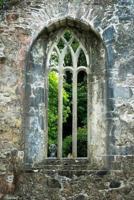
pixel 21 23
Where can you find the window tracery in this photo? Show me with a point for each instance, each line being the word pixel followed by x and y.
pixel 67 54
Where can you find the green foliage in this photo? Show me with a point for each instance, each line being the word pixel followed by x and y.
pixel 67 146
pixel 67 35
pixel 68 59
pixel 67 100
pixel 82 102
pixel 81 142
pixel 1 3
pixel 53 106
pixel 75 45
pixel 61 44
pixel 82 59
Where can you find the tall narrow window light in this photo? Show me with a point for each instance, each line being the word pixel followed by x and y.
pixel 67 76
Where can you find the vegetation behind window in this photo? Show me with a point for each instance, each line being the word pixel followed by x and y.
pixel 63 46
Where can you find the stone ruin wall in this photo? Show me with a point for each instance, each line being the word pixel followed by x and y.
pixel 20 25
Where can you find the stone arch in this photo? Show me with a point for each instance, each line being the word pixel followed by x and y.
pixel 78 23
pixel 36 91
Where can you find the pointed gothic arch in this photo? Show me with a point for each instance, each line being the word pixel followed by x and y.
pixel 36 131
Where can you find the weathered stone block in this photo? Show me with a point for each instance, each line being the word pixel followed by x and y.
pixel 53 183
pixel 122 92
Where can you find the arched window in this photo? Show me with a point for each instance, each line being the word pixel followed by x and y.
pixel 66 95
pixel 66 54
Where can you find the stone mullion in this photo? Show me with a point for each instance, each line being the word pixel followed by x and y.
pixel 88 116
pixel 74 108
pixel 60 102
pixel 60 112
pixel 46 116
pixel 74 131
pixel 89 104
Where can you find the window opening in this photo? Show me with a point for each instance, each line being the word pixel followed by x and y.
pixel 82 59
pixel 52 113
pixel 61 44
pixel 67 35
pixel 67 124
pixel 68 59
pixel 82 115
pixel 75 45
pixel 67 115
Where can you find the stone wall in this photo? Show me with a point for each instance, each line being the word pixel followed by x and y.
pixel 21 23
